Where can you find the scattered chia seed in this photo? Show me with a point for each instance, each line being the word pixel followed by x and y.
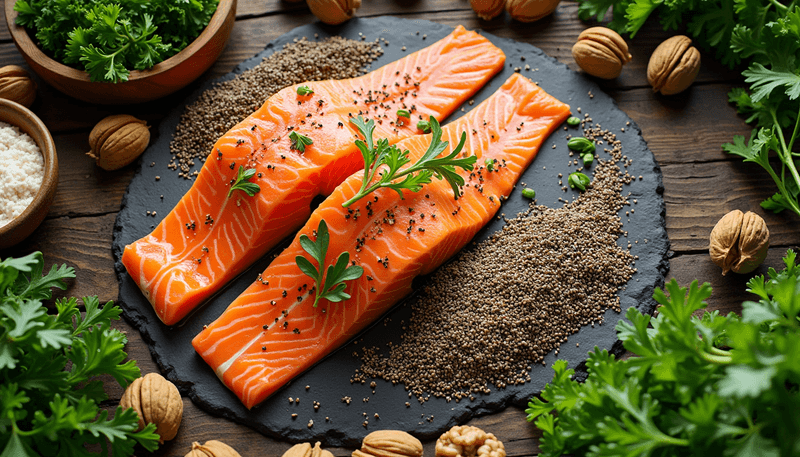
pixel 226 104
pixel 505 303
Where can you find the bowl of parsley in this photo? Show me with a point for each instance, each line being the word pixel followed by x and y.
pixel 120 52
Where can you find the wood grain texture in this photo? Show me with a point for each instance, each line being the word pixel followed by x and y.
pixel 684 132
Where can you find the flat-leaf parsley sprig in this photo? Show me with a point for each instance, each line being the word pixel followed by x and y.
pixel 386 161
pixel 242 182
pixel 331 284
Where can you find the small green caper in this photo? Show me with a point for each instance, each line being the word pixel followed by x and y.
pixel 581 145
pixel 573 121
pixel 529 193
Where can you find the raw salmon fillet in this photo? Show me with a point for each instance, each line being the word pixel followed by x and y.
pixel 209 238
pixel 271 332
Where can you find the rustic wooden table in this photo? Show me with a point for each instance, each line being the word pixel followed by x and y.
pixel 684 132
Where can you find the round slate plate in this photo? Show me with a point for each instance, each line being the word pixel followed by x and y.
pixel 329 380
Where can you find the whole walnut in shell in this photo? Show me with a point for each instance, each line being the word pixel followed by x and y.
pixel 16 85
pixel 601 52
pixel 530 10
pixel 212 448
pixel 389 443
pixel 487 9
pixel 305 450
pixel 673 66
pixel 118 140
pixel 468 441
pixel 739 242
pixel 333 12
pixel 156 401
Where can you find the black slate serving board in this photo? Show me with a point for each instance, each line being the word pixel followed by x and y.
pixel 329 380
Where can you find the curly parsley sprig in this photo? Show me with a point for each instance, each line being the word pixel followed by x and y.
pixel 328 285
pixel 386 162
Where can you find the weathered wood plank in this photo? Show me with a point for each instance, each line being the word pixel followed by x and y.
pixel 697 195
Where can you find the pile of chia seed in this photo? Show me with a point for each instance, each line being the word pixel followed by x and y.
pixel 502 305
pixel 220 108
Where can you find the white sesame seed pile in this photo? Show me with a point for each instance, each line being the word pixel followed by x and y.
pixel 505 303
pixel 229 102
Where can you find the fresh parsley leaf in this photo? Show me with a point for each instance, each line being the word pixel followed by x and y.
pixel 425 126
pixel 304 90
pixel 387 162
pixel 300 141
pixel 330 285
pixel 242 182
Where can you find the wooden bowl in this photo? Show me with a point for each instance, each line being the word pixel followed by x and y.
pixel 24 224
pixel 162 79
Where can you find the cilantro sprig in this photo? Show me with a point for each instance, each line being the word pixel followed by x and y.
pixel 765 34
pixel 329 285
pixel 386 162
pixel 50 366
pixel 709 385
pixel 242 182
pixel 108 38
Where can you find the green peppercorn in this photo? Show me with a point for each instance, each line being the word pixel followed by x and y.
pixel 578 180
pixel 573 121
pixel 581 145
pixel 529 193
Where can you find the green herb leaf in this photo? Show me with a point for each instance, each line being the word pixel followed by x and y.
pixel 304 90
pixel 51 364
pixel 403 113
pixel 300 141
pixel 242 182
pixel 387 163
pixel 573 121
pixel 578 180
pixel 581 145
pixel 425 126
pixel 331 285
pixel 697 385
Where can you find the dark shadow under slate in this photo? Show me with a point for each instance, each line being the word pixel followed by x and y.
pixel 329 380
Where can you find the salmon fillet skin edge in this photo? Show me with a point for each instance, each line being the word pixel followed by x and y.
pixel 210 237
pixel 272 333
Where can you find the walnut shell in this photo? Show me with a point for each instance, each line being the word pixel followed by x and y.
pixel 487 9
pixel 739 242
pixel 118 140
pixel 468 441
pixel 601 52
pixel 530 10
pixel 673 66
pixel 156 401
pixel 389 443
pixel 212 448
pixel 305 450
pixel 16 85
pixel 333 11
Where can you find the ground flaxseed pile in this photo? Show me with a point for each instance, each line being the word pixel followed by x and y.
pixel 228 103
pixel 484 318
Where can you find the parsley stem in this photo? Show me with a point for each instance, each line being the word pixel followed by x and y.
pixel 779 5
pixel 715 359
pixel 786 158
pixel 721 352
